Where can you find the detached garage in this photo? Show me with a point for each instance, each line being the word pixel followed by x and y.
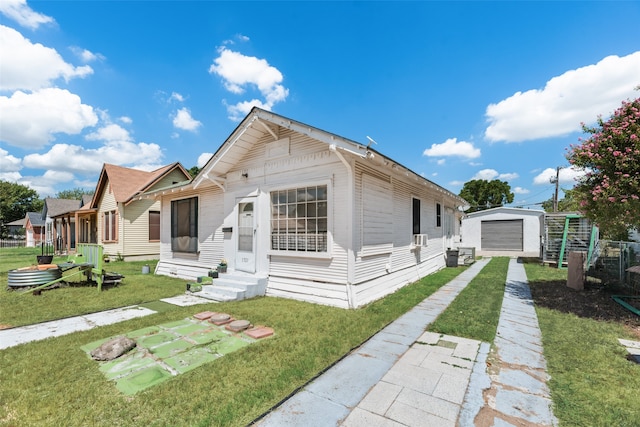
pixel 504 231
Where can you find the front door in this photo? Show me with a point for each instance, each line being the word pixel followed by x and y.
pixel 246 253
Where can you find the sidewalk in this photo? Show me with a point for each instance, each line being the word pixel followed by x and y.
pixel 516 391
pixel 428 393
pixel 405 376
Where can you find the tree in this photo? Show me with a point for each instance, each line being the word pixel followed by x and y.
pixel 15 201
pixel 73 194
pixel 482 194
pixel 609 192
pixel 194 171
pixel 566 204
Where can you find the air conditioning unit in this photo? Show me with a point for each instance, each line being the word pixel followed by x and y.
pixel 420 240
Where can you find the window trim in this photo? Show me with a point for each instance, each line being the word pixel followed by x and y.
pixel 330 215
pixel 438 215
pixel 174 249
pixel 153 211
pixel 416 220
pixel 112 217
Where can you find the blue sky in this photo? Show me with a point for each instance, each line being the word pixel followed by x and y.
pixel 452 90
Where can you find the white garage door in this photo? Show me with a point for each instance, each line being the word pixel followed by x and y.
pixel 501 235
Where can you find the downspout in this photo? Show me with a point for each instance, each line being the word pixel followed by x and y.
pixel 350 254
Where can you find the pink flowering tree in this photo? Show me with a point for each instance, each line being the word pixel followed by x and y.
pixel 609 193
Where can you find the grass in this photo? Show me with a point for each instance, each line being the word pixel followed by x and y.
pixel 53 382
pixel 592 383
pixel 18 308
pixel 475 312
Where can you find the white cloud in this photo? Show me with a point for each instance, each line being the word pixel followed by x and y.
pixel 110 133
pixel 183 120
pixel 11 176
pixel 576 96
pixel 31 120
pixel 203 159
pixel 23 14
pixel 89 161
pixel 176 96
pixel 86 55
pixel 239 72
pixel 453 147
pixel 126 120
pixel 520 190
pixel 508 176
pixel 456 183
pixel 241 109
pixel 8 162
pixel 441 162
pixel 486 174
pixel 568 175
pixel 491 174
pixel 30 66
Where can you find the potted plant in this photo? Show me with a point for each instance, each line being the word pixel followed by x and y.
pixel 222 267
pixel 213 273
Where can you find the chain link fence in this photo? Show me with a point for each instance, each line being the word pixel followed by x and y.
pixel 611 261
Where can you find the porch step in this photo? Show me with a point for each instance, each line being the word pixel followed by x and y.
pixel 234 287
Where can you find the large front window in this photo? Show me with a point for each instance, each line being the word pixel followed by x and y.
pixel 299 219
pixel 184 225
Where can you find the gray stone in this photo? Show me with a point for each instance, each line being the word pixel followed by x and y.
pixel 113 348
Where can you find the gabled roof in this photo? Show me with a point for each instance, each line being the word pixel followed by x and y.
pixel 35 218
pixel 18 222
pixel 259 123
pixel 55 207
pixel 506 209
pixel 127 183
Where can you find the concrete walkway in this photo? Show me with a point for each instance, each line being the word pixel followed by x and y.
pixel 404 376
pixel 55 328
pixel 518 394
pixel 425 386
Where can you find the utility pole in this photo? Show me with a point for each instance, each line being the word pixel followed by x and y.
pixel 555 195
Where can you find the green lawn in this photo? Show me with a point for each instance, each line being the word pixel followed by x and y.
pixel 475 312
pixel 53 382
pixel 592 382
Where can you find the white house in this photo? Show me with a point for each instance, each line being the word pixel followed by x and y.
pixel 322 218
pixel 504 231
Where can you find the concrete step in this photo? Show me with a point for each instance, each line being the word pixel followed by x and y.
pixel 234 287
pixel 224 293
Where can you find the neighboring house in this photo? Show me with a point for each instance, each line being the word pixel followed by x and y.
pixel 60 223
pixel 34 226
pixel 15 228
pixel 504 231
pixel 322 218
pixel 117 218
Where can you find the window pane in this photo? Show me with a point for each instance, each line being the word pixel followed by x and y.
pixel 106 226
pixel 299 223
pixel 154 225
pixel 322 208
pixel 184 225
pixel 322 193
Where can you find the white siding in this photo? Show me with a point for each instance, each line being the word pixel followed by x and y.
pixel 531 230
pixel 210 235
pixel 370 220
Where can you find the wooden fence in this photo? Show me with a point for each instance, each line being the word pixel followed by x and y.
pixel 12 243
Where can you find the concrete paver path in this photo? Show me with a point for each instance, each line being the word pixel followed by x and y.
pixel 328 400
pixel 518 393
